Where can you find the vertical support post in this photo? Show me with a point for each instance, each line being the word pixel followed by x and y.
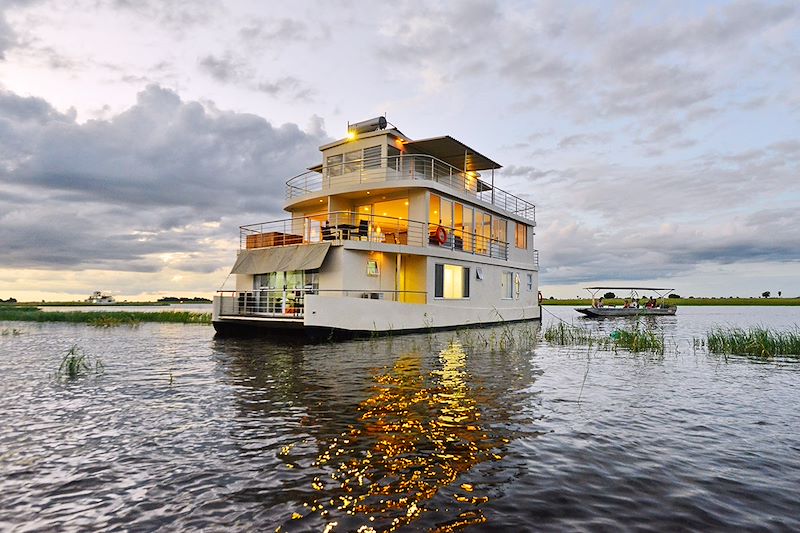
pixel 492 185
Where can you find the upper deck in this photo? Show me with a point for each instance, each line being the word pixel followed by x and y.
pixel 385 159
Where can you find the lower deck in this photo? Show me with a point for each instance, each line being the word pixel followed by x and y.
pixel 361 289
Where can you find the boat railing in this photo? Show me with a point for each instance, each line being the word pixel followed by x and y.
pixel 339 226
pixel 290 302
pixel 407 166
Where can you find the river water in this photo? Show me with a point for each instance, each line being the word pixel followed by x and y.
pixel 183 431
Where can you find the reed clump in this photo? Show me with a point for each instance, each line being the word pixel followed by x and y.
pixel 757 341
pixel 77 363
pixel 565 334
pixel 638 339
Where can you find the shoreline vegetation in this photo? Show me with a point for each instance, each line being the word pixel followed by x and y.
pixel 101 318
pixel 619 302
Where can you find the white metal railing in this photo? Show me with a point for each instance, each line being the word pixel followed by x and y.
pixel 407 166
pixel 290 302
pixel 338 226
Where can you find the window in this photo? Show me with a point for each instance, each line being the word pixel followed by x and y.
pixel 499 229
pixel 372 157
pixel 334 164
pixel 468 229
pixel 352 161
pixel 522 236
pixel 530 282
pixel 394 157
pixel 507 285
pixel 451 281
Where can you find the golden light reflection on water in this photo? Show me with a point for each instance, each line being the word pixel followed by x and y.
pixel 417 433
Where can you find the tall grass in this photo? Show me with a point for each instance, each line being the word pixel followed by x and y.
pixel 565 334
pixel 77 363
pixel 635 338
pixel 758 341
pixel 102 318
pixel 639 339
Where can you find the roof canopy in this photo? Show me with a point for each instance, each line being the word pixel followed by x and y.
pixel 452 152
pixel 281 258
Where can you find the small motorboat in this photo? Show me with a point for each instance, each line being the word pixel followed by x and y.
pixel 634 306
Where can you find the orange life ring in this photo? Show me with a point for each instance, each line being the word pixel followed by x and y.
pixel 540 297
pixel 441 235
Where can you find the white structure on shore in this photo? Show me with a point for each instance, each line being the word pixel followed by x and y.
pixel 387 234
pixel 99 297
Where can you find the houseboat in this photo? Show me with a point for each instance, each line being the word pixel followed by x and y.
pixel 101 298
pixel 387 234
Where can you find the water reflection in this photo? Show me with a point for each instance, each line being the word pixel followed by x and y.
pixel 377 441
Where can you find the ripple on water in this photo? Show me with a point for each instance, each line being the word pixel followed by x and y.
pixel 184 431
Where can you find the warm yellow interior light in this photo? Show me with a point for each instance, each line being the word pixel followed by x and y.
pixel 351 135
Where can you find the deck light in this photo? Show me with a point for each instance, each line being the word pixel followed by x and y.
pixel 351 135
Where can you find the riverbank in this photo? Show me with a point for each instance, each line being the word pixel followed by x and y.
pixel 578 302
pixel 101 318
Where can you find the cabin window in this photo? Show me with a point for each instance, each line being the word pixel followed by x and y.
pixel 507 285
pixel 372 157
pixel 434 216
pixel 530 282
pixel 451 281
pixel 393 155
pixel 352 161
pixel 483 227
pixel 499 229
pixel 522 236
pixel 468 229
pixel 334 164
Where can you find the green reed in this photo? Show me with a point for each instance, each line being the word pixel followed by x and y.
pixel 103 318
pixel 639 339
pixel 758 341
pixel 635 338
pixel 565 334
pixel 77 363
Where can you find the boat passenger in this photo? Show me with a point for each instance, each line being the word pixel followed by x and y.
pixel 600 302
pixel 627 303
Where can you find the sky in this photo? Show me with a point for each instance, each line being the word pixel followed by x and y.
pixel 660 141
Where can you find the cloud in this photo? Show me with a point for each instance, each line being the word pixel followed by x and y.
pixel 228 69
pixel 159 177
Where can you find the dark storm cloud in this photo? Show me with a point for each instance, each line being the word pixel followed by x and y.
pixel 98 192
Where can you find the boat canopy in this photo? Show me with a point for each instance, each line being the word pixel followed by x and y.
pixel 453 152
pixel 634 290
pixel 281 258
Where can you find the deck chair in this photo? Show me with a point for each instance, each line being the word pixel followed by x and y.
pixel 362 230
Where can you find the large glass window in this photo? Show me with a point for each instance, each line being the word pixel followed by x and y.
pixel 334 164
pixel 522 236
pixel 469 229
pixel 394 157
pixel 434 217
pixel 483 224
pixel 499 230
pixel 451 281
pixel 352 161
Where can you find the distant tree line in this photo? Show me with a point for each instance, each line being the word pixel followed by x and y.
pixel 9 301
